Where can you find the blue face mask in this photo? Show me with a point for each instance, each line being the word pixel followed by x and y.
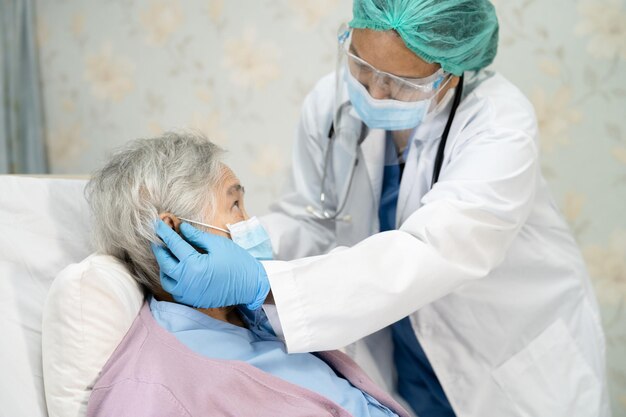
pixel 384 114
pixel 249 234
pixel 252 236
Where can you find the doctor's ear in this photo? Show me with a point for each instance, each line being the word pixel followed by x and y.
pixel 171 220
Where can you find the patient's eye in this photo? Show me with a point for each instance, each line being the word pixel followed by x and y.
pixel 236 192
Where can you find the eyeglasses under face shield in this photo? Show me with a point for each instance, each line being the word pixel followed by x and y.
pixel 396 88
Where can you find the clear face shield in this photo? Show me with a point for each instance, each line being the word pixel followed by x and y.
pixel 403 102
pixel 345 135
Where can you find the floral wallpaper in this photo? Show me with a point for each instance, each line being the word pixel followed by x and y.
pixel 238 70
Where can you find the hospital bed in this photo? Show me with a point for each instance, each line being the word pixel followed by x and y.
pixel 74 315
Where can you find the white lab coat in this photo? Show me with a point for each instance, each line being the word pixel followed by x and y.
pixel 484 264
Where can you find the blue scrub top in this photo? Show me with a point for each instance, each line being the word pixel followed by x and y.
pixel 417 382
pixel 259 346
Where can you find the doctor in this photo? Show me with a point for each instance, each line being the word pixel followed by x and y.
pixel 417 203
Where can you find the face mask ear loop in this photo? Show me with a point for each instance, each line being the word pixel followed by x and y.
pixel 205 225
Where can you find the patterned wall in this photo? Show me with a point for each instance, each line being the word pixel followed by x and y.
pixel 238 70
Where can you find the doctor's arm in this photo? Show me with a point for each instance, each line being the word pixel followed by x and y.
pixel 461 233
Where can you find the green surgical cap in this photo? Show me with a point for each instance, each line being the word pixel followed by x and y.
pixel 460 35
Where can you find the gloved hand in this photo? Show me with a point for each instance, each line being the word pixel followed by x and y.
pixel 226 275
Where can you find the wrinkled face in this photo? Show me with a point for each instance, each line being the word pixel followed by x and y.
pixel 229 207
pixel 229 204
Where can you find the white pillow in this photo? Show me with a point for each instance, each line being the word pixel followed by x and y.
pixel 89 309
pixel 44 226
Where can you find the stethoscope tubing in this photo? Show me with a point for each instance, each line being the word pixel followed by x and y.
pixel 444 137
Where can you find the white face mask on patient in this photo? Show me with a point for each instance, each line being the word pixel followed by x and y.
pixel 249 234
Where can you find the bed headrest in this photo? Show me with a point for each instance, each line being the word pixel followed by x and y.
pixel 44 226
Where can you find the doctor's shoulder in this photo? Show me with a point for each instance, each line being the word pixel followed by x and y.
pixel 492 103
pixel 318 106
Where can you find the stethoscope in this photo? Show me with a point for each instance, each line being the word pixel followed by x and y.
pixel 324 214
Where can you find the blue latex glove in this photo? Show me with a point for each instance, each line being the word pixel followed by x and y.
pixel 226 275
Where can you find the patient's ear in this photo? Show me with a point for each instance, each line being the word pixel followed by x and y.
pixel 171 220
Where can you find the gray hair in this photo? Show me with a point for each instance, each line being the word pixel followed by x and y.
pixel 176 172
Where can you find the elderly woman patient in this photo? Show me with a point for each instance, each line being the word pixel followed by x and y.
pixel 176 360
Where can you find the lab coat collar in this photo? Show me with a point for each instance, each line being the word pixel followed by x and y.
pixel 373 148
pixel 433 124
pixel 431 129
